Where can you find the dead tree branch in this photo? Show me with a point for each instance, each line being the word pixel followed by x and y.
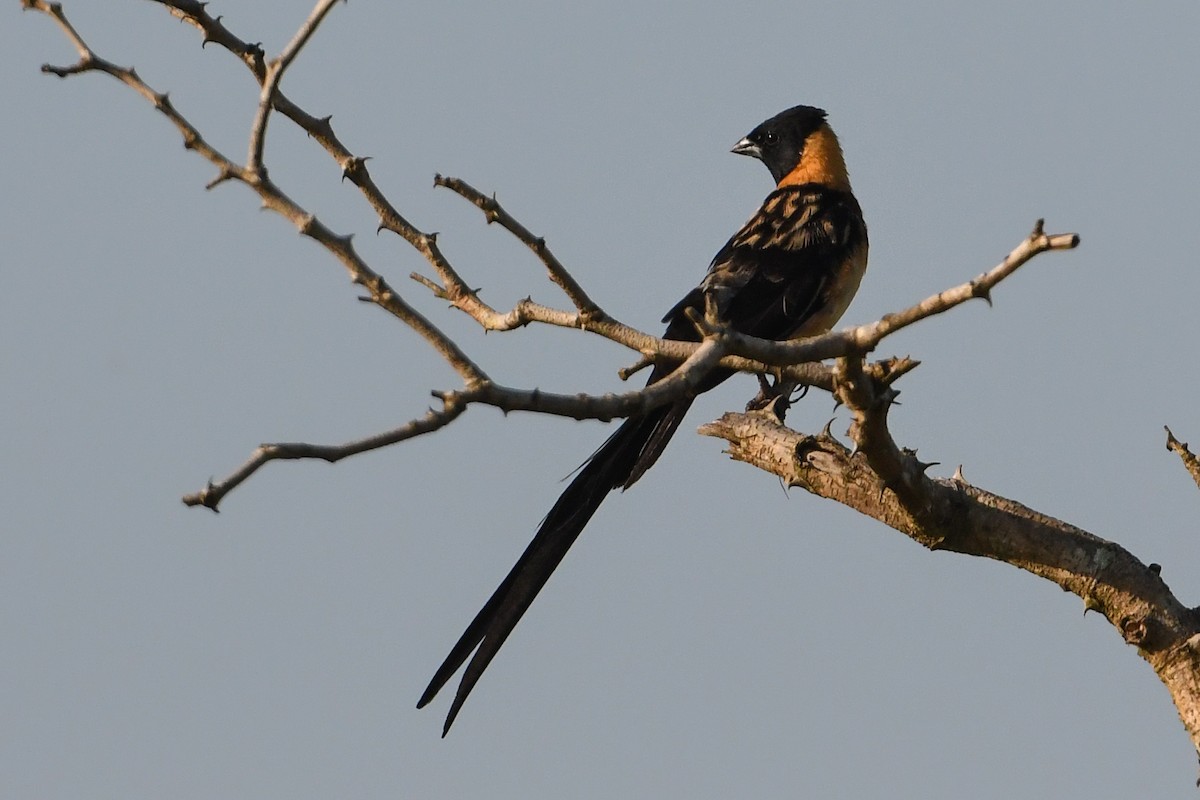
pixel 792 361
pixel 889 484
pixel 879 478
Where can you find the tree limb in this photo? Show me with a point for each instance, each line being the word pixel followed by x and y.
pixel 888 484
pixel 793 361
pixel 879 478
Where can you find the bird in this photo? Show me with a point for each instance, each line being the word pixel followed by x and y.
pixel 789 272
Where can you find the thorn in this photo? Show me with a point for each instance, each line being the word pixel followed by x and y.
pixel 958 478
pixel 222 176
pixel 204 498
pixel 1090 603
pixel 1038 229
pixel 305 228
pixel 982 292
pixel 827 431
pixel 352 165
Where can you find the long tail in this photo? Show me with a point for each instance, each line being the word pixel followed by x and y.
pixel 619 462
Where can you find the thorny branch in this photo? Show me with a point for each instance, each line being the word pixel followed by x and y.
pixel 889 484
pixel 879 478
pixel 795 361
pixel 270 85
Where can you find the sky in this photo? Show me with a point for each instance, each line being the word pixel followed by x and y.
pixel 711 635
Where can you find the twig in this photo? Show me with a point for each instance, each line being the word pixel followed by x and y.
pixel 341 246
pixel 678 384
pixel 865 338
pixel 494 212
pixel 748 354
pixel 270 85
pixel 1189 459
pixel 212 494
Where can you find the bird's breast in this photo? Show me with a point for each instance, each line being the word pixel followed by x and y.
pixel 837 293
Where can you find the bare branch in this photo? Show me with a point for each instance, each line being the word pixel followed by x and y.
pixel 1189 459
pixel 212 494
pixel 745 353
pixel 879 478
pixel 1036 243
pixel 341 246
pixel 355 169
pixel 865 338
pixel 270 85
pixel 55 12
pixel 494 212
pixel 965 519
pixel 681 383
pixel 792 361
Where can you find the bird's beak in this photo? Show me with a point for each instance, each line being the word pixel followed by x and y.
pixel 747 148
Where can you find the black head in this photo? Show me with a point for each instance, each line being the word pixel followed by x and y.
pixel 779 142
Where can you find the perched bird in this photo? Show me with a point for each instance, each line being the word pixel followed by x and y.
pixel 790 272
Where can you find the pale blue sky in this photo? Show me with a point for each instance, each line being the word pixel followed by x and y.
pixel 710 636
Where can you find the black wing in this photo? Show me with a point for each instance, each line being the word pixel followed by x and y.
pixel 784 267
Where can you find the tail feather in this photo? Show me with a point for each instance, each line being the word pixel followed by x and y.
pixel 619 462
pixel 657 442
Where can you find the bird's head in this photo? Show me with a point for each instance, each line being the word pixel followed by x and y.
pixel 798 146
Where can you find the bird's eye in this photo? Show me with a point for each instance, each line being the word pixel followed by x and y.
pixel 770 137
